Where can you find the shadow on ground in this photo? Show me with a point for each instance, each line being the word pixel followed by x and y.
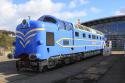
pixel 8 72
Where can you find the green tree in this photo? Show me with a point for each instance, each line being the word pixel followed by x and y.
pixel 6 41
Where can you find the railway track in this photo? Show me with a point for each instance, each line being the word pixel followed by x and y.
pixel 58 75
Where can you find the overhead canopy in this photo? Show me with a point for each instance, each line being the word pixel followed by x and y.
pixel 104 20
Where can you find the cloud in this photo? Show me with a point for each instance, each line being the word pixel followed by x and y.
pixel 72 4
pixel 12 14
pixel 120 11
pixel 76 3
pixel 95 10
pixel 7 13
pixel 84 1
pixel 70 15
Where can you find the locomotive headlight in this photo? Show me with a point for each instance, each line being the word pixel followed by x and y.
pixel 25 23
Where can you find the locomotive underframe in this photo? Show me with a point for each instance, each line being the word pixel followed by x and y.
pixel 59 60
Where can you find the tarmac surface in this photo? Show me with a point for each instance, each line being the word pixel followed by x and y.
pixel 117 73
pixel 99 69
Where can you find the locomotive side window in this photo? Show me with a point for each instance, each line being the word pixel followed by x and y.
pixel 76 34
pixel 49 19
pixel 100 38
pixel 93 37
pixel 65 42
pixel 84 35
pixel 49 38
pixel 62 26
pixel 97 37
pixel 89 36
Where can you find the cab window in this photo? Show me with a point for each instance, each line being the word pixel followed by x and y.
pixel 49 19
pixel 62 26
pixel 69 26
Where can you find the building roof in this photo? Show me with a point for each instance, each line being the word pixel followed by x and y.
pixel 104 20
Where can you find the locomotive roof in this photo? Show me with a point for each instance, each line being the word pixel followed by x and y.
pixel 42 17
pixel 85 28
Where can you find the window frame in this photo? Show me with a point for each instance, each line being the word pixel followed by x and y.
pixel 51 21
pixel 65 42
pixel 76 34
pixel 89 36
pixel 83 35
pixel 93 36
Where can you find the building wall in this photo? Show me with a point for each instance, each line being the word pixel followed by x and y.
pixel 115 31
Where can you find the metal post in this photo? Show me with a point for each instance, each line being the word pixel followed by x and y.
pixel 124 49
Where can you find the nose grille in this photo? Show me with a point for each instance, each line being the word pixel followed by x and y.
pixel 24 57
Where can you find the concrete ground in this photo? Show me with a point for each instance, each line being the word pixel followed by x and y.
pixel 100 69
pixel 108 71
pixel 4 58
pixel 116 74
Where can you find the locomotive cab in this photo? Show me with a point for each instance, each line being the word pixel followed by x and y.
pixel 30 37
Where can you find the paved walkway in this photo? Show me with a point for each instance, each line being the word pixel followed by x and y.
pixel 118 52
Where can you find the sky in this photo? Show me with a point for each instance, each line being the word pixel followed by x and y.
pixel 12 12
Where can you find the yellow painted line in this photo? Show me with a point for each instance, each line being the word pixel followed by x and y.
pixel 23 39
pixel 20 38
pixel 75 46
pixel 30 36
pixel 22 44
pixel 37 29
pixel 18 32
pixel 27 43
pixel 68 46
pixel 77 39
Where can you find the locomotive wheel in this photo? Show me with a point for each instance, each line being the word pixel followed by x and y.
pixel 78 58
pixel 45 68
pixel 67 61
pixel 41 69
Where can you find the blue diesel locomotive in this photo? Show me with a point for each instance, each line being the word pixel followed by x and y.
pixel 49 41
